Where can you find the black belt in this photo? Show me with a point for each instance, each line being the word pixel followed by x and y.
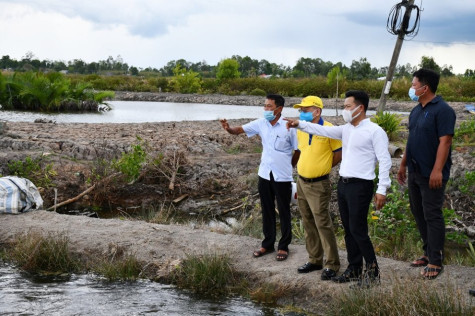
pixel 352 180
pixel 314 179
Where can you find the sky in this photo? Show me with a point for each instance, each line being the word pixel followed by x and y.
pixel 150 33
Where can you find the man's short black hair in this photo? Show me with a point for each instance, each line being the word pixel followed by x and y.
pixel 360 97
pixel 277 98
pixel 428 77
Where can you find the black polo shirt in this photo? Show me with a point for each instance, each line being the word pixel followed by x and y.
pixel 426 125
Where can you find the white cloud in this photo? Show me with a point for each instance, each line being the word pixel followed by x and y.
pixel 151 33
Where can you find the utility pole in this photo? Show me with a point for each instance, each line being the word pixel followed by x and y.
pixel 336 99
pixel 397 50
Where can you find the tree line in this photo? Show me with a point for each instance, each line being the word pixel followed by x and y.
pixel 248 67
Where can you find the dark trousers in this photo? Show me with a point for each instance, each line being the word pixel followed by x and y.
pixel 353 202
pixel 269 191
pixel 426 206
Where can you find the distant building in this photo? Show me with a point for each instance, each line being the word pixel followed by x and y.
pixel 268 76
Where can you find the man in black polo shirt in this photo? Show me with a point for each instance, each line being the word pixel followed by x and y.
pixel 428 160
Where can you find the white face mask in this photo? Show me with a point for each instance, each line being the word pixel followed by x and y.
pixel 348 115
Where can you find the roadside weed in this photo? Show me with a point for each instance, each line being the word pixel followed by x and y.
pixel 131 163
pixel 390 123
pixel 465 133
pixel 37 170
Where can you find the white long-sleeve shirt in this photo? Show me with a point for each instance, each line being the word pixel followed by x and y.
pixel 363 146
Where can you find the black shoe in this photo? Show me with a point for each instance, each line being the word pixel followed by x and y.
pixel 471 292
pixel 309 267
pixel 347 276
pixel 328 274
pixel 370 278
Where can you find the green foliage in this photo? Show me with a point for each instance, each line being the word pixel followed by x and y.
pixel 471 252
pixel 298 231
pixel 390 123
pixel 452 88
pixel 185 81
pixel 393 228
pixel 468 185
pixel 429 63
pixel 128 269
pixel 36 253
pixel 44 92
pixel 465 133
pixel 228 69
pixel 449 217
pixel 102 95
pixel 335 78
pixel 258 92
pixel 34 169
pixel 131 163
pixel 209 274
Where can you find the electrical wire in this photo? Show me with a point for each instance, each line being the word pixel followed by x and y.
pixel 398 24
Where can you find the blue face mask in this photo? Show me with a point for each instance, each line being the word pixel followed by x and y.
pixel 412 94
pixel 269 115
pixel 306 116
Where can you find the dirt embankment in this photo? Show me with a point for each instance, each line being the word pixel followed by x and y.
pixel 218 175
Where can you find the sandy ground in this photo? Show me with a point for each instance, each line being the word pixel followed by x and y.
pixel 218 170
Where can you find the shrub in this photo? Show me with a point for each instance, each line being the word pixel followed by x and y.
pixel 34 169
pixel 131 163
pixel 44 92
pixel 258 92
pixel 228 69
pixel 465 133
pixel 393 229
pixel 390 123
pixel 185 81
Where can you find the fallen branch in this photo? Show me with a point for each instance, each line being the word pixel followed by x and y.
pixel 72 199
pixel 232 209
pixel 181 198
pixel 80 195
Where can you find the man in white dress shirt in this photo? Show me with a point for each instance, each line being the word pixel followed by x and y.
pixel 275 173
pixel 364 144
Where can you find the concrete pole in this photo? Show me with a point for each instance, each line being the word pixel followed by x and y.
pixel 392 65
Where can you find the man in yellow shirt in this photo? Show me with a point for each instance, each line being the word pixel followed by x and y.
pixel 318 155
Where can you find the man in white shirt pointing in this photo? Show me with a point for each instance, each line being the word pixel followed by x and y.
pixel 364 144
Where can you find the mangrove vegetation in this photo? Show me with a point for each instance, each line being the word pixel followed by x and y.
pixel 49 92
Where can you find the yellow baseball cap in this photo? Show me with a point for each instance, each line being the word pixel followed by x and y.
pixel 310 101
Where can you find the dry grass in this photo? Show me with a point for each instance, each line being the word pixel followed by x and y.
pixel 404 297
pixel 36 253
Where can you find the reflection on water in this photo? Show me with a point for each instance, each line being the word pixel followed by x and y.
pixel 141 112
pixel 89 295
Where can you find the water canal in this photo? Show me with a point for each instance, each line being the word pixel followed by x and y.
pixel 88 294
